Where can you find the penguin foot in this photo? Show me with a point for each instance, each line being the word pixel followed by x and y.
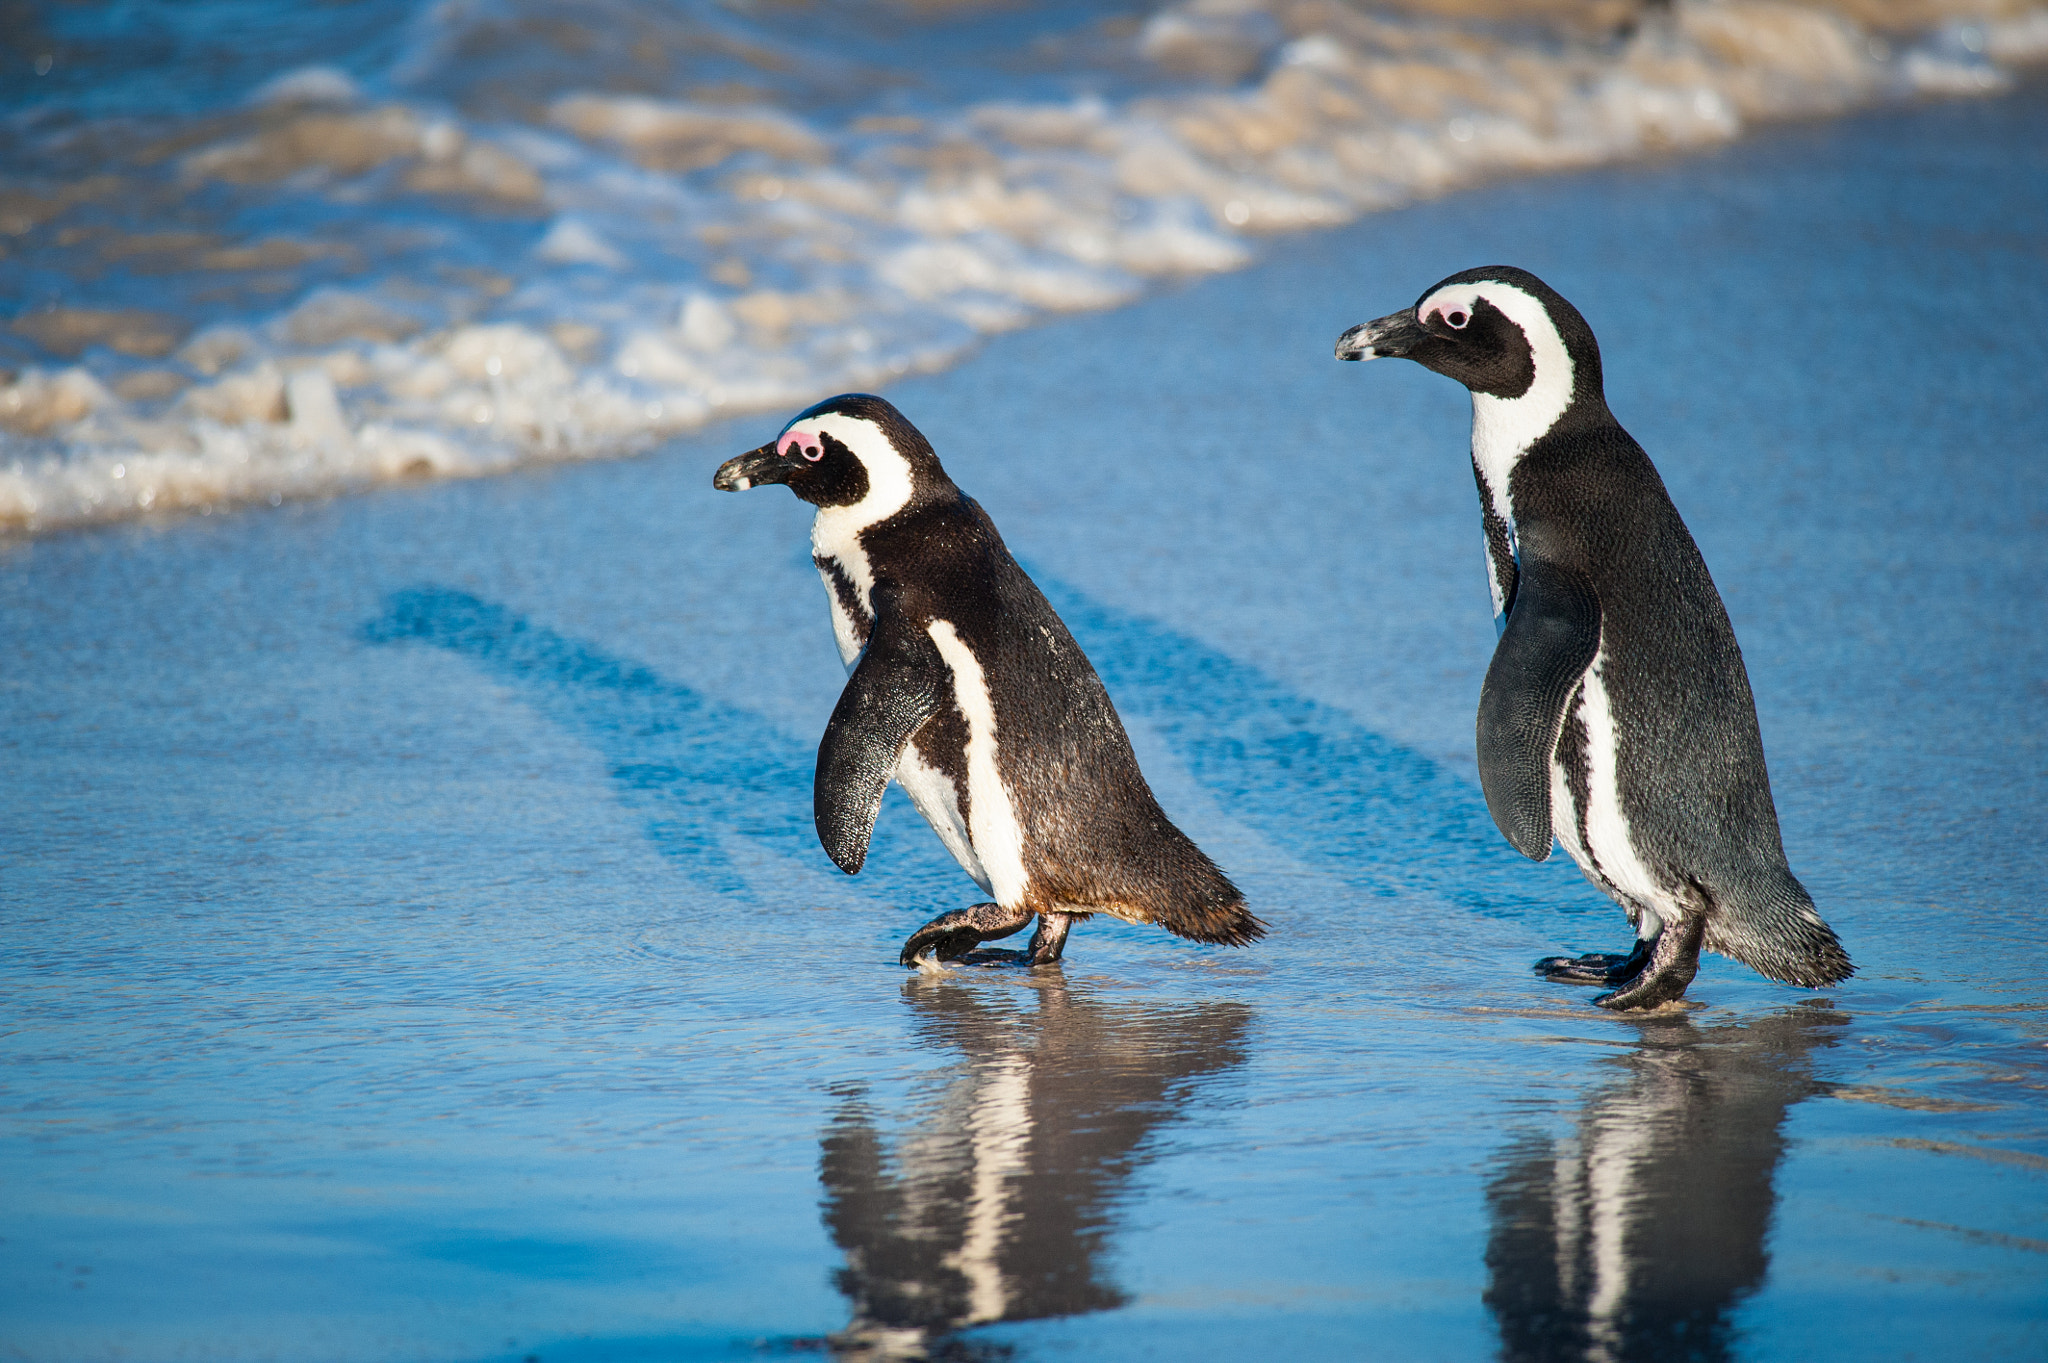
pixel 952 935
pixel 1674 960
pixel 1596 967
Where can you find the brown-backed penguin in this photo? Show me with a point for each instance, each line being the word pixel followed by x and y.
pixel 967 689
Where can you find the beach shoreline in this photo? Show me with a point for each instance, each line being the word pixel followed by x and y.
pixel 427 265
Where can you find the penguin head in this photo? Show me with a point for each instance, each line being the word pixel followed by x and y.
pixel 1501 332
pixel 853 451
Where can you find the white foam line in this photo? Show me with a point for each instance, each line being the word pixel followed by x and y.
pixel 898 268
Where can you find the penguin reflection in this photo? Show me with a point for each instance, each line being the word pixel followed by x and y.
pixel 1636 1237
pixel 998 1205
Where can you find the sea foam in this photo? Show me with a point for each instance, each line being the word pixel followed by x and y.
pixel 397 276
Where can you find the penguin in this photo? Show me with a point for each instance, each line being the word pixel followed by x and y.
pixel 966 689
pixel 1616 716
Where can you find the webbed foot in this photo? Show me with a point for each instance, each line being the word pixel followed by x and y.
pixel 1674 960
pixel 952 935
pixel 1597 967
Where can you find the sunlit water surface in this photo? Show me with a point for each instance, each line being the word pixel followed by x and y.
pixel 417 947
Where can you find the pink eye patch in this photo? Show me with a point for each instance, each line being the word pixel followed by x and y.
pixel 805 441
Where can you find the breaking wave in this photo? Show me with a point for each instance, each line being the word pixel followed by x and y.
pixel 455 238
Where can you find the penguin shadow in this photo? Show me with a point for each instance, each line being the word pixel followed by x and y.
pixel 1640 1234
pixel 717 787
pixel 721 790
pixel 995 1198
pixel 1380 817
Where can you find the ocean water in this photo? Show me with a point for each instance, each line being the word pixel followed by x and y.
pixel 415 947
pixel 251 252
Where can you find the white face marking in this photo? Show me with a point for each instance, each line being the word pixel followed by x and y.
pixel 1608 856
pixel 1503 429
pixel 931 790
pixel 991 818
pixel 835 534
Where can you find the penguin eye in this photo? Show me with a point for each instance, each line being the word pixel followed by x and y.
pixel 802 441
pixel 1457 319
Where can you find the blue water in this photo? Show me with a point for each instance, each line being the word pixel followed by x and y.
pixel 256 253
pixel 416 948
pixel 501 57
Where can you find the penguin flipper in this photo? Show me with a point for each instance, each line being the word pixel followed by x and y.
pixel 1552 636
pixel 900 683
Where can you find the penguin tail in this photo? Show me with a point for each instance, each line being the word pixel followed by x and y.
pixel 1230 925
pixel 1771 926
pixel 1143 870
pixel 1181 891
pixel 1202 905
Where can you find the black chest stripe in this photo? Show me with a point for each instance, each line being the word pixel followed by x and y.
pixel 1502 554
pixel 849 599
pixel 1572 754
pixel 1500 550
pixel 942 744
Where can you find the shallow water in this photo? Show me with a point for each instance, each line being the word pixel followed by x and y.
pixel 417 949
pixel 254 252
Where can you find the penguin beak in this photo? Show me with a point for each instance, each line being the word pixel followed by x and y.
pixel 752 469
pixel 1390 337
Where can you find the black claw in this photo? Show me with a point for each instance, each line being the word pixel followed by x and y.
pixel 1592 968
pixel 1597 967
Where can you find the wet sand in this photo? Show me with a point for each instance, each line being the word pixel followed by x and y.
pixel 418 947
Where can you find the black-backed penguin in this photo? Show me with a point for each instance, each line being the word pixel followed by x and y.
pixel 967 689
pixel 1616 714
